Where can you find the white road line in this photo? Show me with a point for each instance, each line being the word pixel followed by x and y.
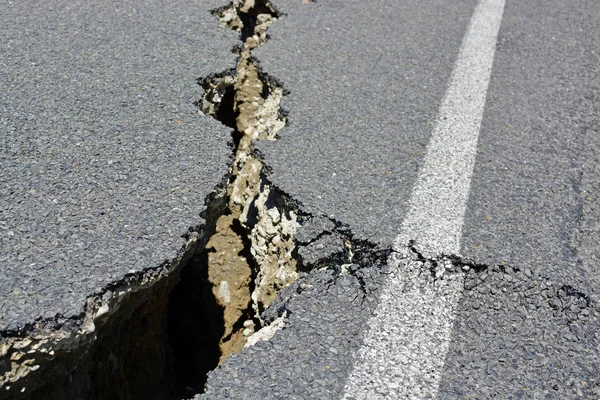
pixel 404 350
pixel 438 201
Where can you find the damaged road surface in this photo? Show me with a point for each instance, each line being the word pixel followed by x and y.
pixel 464 137
pixel 105 168
pixel 256 200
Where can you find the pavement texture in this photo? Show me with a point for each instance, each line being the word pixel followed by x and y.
pixel 515 334
pixel 533 332
pixel 519 335
pixel 105 162
pixel 108 166
pixel 533 193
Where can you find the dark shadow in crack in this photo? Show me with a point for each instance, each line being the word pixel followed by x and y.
pixel 195 327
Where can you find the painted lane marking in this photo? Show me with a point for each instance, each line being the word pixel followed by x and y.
pixel 409 335
pixel 439 199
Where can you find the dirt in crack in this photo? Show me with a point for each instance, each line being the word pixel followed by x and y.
pixel 156 334
pixel 248 257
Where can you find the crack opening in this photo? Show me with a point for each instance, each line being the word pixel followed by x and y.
pixel 248 255
pixel 157 333
pixel 219 97
pixel 194 328
pixel 251 18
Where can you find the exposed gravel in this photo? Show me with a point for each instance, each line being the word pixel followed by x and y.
pixel 519 335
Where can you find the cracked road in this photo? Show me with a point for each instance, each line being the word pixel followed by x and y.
pixel 367 87
pixel 442 159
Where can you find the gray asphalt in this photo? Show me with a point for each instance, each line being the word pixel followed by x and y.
pixel 105 164
pixel 534 206
pixel 366 81
pixel 533 190
pixel 104 160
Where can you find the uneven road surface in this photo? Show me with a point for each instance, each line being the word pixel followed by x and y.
pixel 383 122
pixel 411 210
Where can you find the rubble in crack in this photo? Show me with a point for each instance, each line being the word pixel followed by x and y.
pixel 218 97
pixel 251 18
pixel 272 248
pixel 250 255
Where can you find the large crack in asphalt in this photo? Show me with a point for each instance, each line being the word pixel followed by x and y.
pixel 157 333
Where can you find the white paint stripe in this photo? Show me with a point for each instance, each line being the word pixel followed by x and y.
pixel 438 201
pixel 404 351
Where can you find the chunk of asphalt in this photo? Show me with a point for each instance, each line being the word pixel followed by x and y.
pixel 105 169
pixel 106 162
pixel 519 334
pixel 321 249
pixel 360 118
pixel 312 228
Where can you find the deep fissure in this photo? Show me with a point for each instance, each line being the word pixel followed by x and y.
pixel 158 333
pixel 248 256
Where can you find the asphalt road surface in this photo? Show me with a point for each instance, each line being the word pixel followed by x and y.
pixel 450 150
pixel 383 135
pixel 104 157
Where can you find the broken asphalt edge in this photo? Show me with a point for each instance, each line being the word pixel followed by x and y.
pixel 44 343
